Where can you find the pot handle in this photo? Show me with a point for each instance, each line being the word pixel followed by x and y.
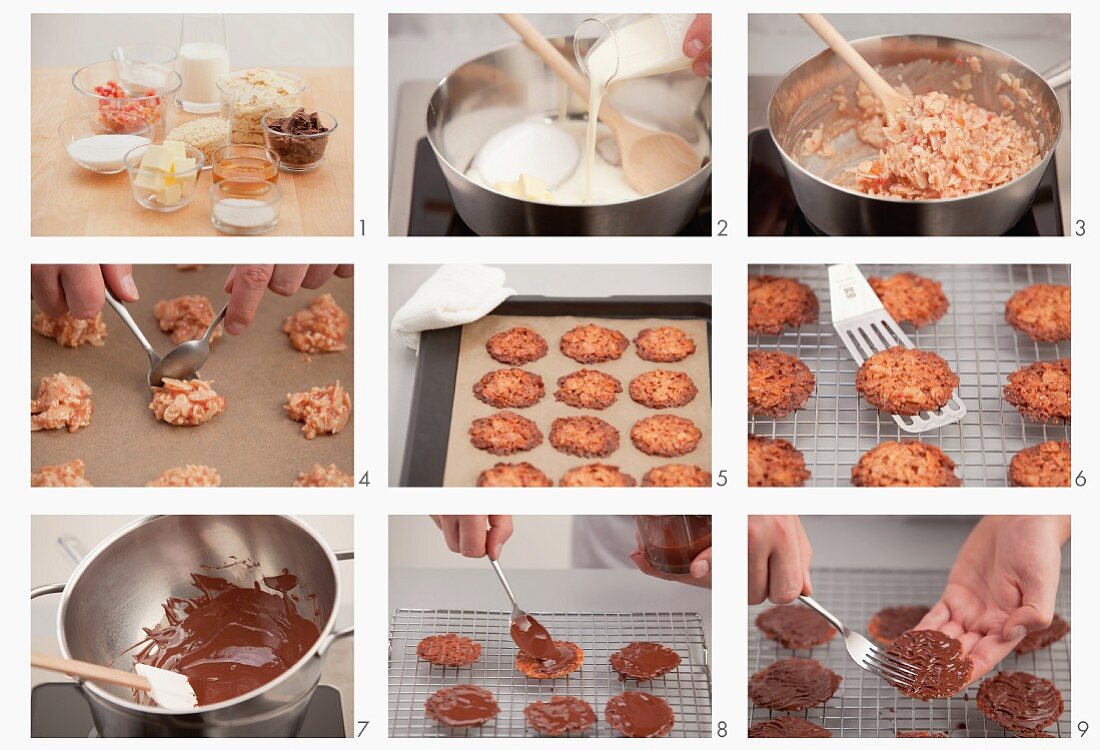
pixel 49 588
pixel 344 554
pixel 1059 75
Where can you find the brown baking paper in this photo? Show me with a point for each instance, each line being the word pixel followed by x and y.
pixel 465 462
pixel 252 443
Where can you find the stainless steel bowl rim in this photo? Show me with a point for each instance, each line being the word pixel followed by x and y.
pixel 109 697
pixel 791 162
pixel 705 168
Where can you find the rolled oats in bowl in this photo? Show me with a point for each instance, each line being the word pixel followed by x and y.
pixel 252 93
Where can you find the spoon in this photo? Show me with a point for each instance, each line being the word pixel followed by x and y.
pixel 527 632
pixel 170 690
pixel 652 159
pixel 154 358
pixel 185 359
pixel 892 99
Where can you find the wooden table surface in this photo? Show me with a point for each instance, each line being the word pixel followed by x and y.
pixel 67 199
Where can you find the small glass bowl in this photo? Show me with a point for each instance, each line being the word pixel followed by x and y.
pixel 186 180
pixel 298 153
pixel 245 206
pixel 146 52
pixel 134 78
pixel 248 109
pixel 107 160
pixel 245 161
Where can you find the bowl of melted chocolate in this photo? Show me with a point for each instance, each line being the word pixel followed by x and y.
pixel 244 606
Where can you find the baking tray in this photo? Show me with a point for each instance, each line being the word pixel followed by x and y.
pixel 864 705
pixel 426 442
pixel 837 425
pixel 411 681
pixel 252 444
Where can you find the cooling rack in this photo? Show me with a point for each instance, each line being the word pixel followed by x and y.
pixel 865 706
pixel 411 681
pixel 837 426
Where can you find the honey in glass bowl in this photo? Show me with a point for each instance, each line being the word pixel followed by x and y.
pixel 245 162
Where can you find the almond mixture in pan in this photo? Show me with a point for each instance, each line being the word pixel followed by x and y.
pixel 186 402
pixel 321 410
pixel 318 329
pixel 70 331
pixel 61 401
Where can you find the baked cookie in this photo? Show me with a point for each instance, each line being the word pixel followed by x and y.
pixel 644 660
pixel 887 624
pixel 461 706
pixel 663 389
pixel 910 298
pixel 516 346
pixel 637 714
pixel 1039 639
pixel 510 388
pixel 942 669
pixel 795 627
pixel 590 343
pixel 665 435
pixel 793 685
pixel 69 331
pixel 551 670
pixel 588 389
pixel 778 383
pixel 664 344
pixel 448 650
pixel 587 437
pixel 1042 311
pixel 68 474
pixel 919 734
pixel 1020 702
pixel 596 475
pixel 909 463
pixel 560 714
pixel 788 726
pixel 906 381
pixel 676 475
pixel 1043 465
pixel 774 462
pixel 776 303
pixel 522 474
pixel 504 433
pixel 1041 391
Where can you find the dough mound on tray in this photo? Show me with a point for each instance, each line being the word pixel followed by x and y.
pixel 61 401
pixel 322 410
pixel 68 474
pixel 186 403
pixel 191 475
pixel 186 318
pixel 324 476
pixel 319 329
pixel 71 332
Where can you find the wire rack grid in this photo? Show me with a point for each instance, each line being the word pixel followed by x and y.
pixel 837 426
pixel 411 681
pixel 866 706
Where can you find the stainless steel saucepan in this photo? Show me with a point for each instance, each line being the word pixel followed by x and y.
pixel 511 84
pixel 119 588
pixel 806 98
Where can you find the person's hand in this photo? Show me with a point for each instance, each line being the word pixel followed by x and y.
pixel 700 568
pixel 475 536
pixel 1001 587
pixel 79 288
pixel 247 283
pixel 779 559
pixel 697 45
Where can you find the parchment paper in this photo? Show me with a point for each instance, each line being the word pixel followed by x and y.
pixel 465 462
pixel 253 443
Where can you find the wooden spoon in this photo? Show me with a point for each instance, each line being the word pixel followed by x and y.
pixel 170 690
pixel 892 99
pixel 652 159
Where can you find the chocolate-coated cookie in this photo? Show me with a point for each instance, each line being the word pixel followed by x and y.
pixel 793 685
pixel 942 669
pixel 788 726
pixel 795 626
pixel 887 624
pixel 638 714
pixel 1020 702
pixel 461 706
pixel 551 670
pixel 1040 639
pixel 559 715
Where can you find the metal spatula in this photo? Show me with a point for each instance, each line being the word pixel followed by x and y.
pixel 865 327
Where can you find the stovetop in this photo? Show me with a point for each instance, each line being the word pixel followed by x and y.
pixel 58 709
pixel 420 203
pixel 773 211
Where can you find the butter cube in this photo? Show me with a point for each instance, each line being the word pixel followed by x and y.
pixel 170 193
pixel 157 157
pixel 184 165
pixel 533 189
pixel 149 179
pixel 178 149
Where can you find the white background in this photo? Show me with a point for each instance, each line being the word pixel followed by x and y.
pixel 728 256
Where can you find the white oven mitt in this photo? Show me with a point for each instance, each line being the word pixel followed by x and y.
pixel 452 296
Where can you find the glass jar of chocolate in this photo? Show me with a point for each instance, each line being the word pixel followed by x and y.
pixel 672 542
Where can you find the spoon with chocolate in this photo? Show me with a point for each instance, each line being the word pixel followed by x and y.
pixel 527 632
pixel 170 690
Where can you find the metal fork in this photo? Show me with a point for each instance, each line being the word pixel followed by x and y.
pixel 866 654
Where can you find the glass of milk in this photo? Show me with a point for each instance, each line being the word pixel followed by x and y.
pixel 632 45
pixel 203 58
